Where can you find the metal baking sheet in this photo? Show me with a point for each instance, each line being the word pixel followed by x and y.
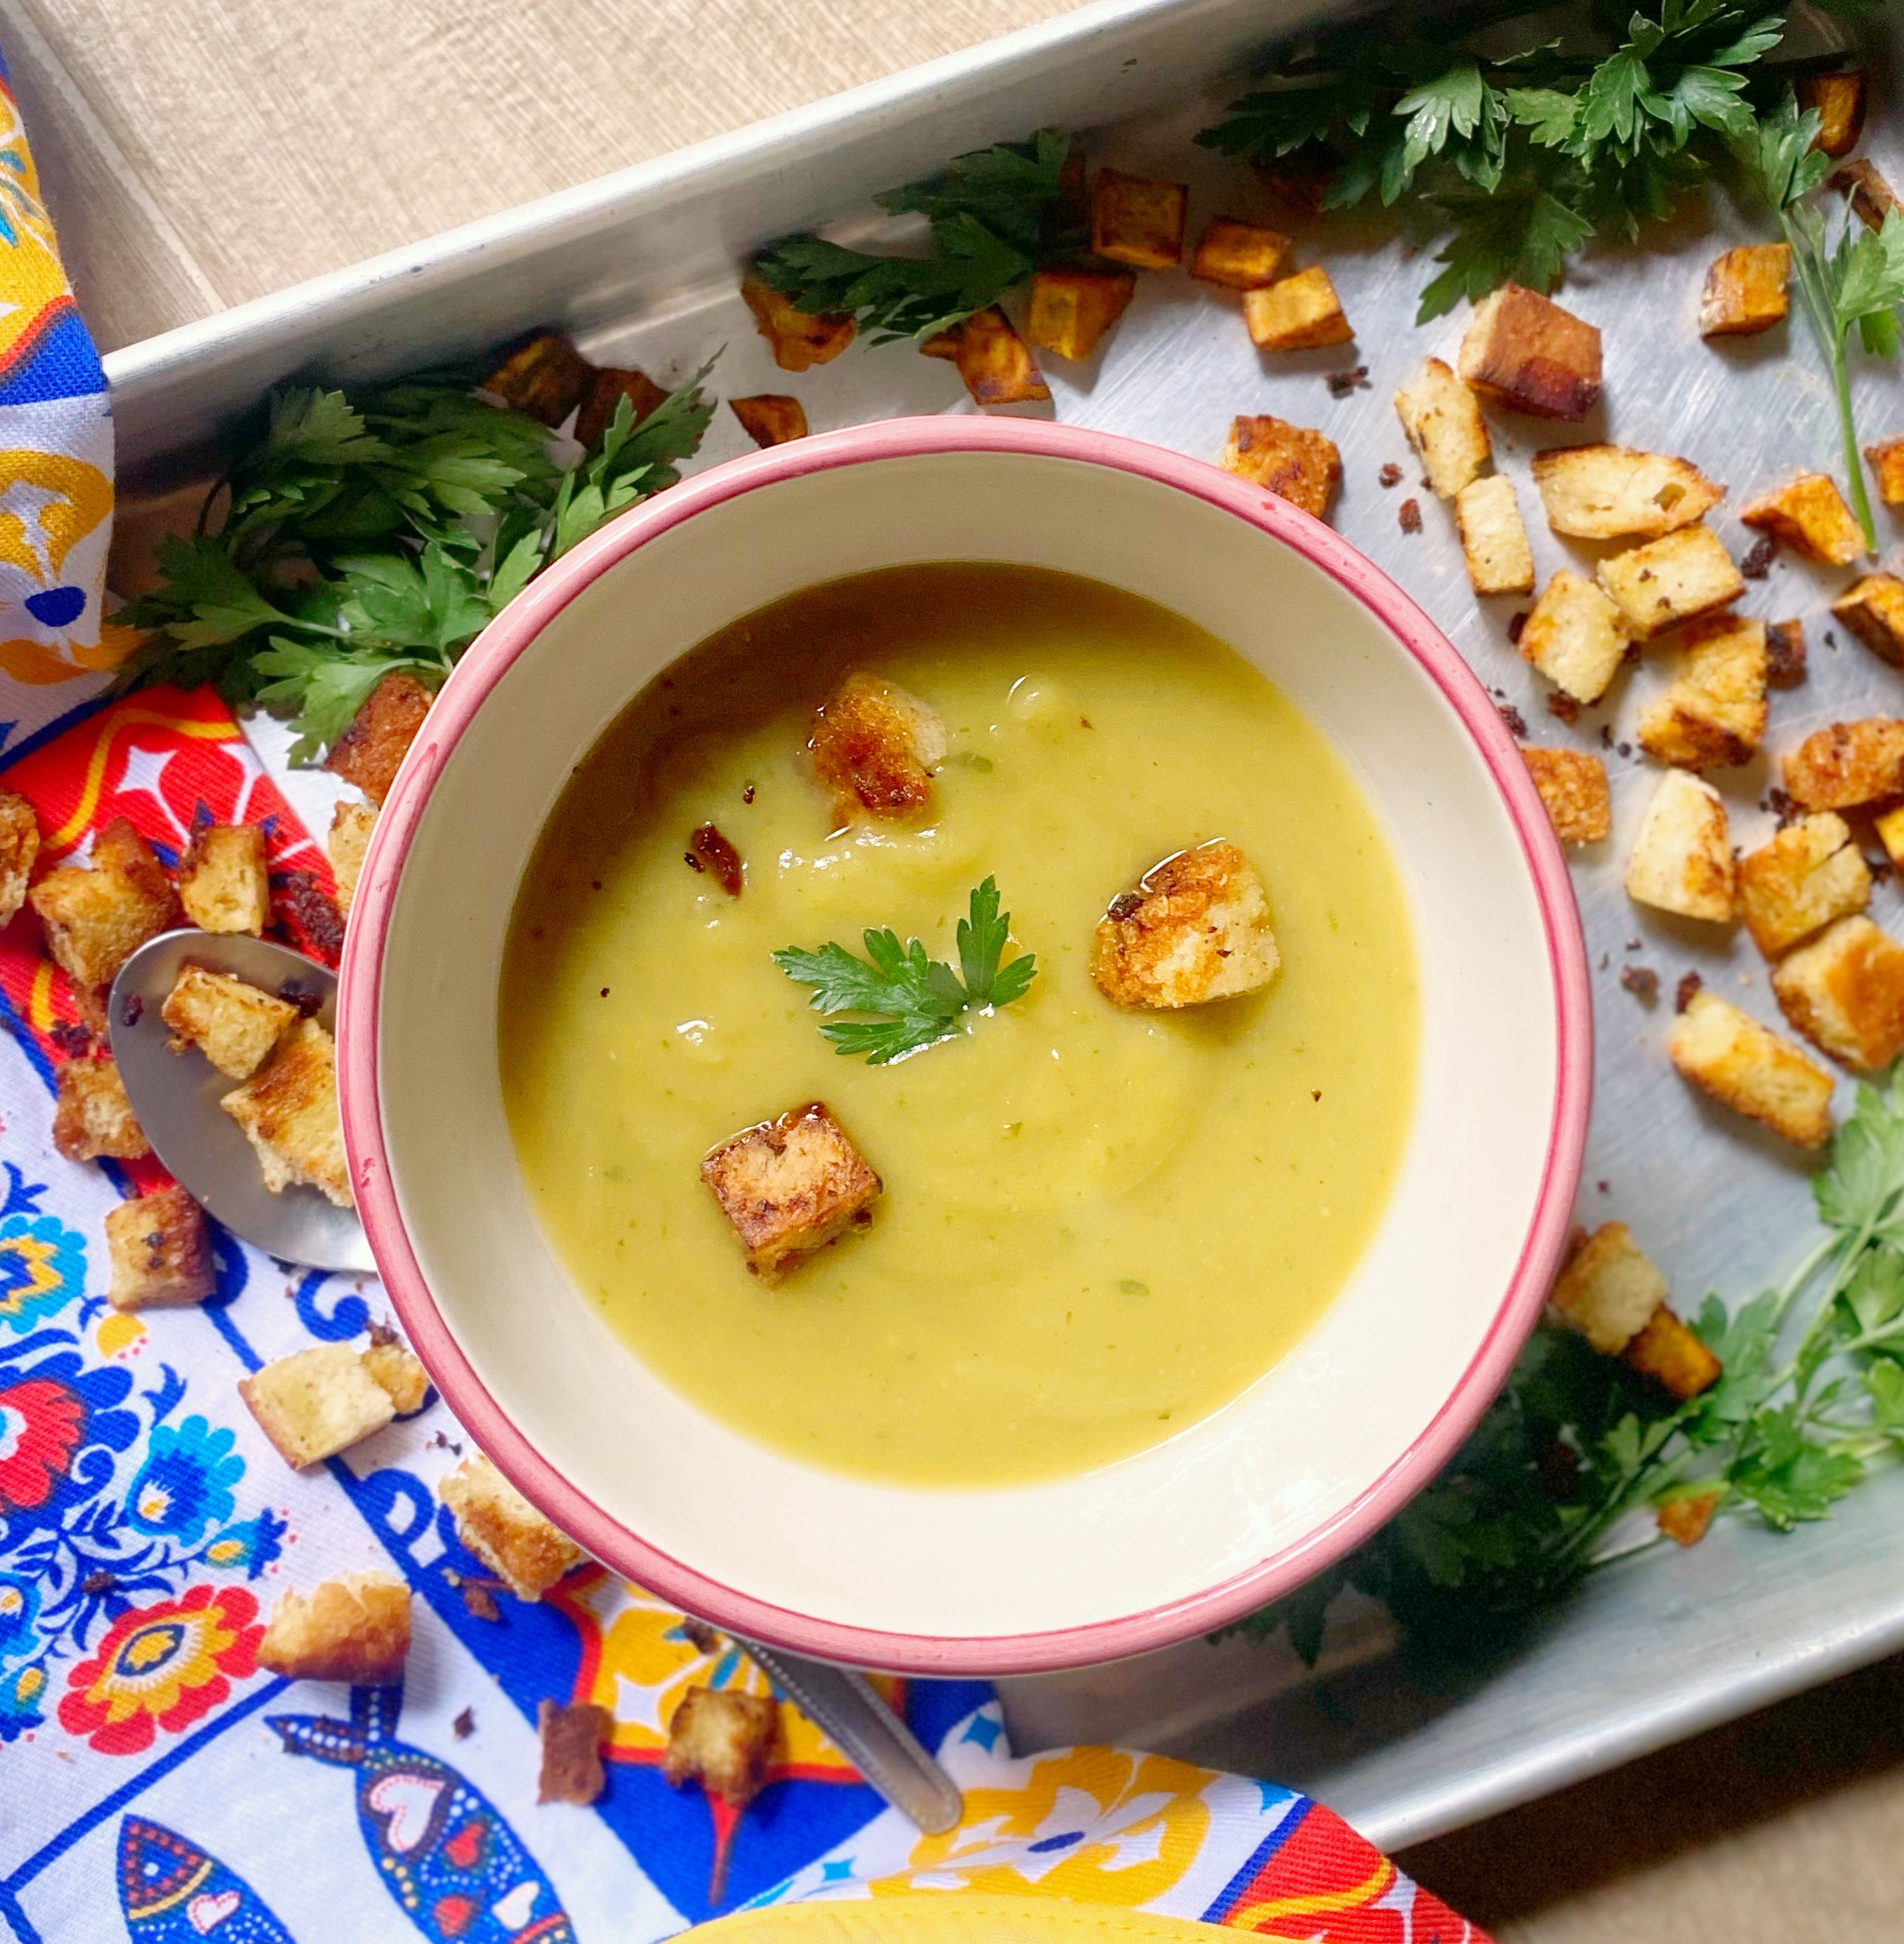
pixel 643 267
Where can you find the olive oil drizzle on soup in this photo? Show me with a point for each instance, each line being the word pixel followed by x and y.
pixel 1098 1226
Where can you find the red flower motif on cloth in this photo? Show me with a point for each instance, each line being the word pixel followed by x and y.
pixel 41 1423
pixel 164 1665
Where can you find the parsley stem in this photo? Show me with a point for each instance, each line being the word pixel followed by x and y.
pixel 1830 331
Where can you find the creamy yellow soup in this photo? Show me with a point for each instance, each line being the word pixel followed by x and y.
pixel 1098 1226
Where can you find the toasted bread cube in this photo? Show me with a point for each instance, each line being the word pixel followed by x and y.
pixel 19 849
pixel 289 1113
pixel 1572 785
pixel 1810 516
pixel 315 1403
pixel 1290 460
pixel 1840 101
pixel 571 1752
pixel 1848 765
pixel 354 1628
pixel 1872 199
pixel 544 376
pixel 1607 1288
pixel 1671 580
pixel 1874 611
pixel 790 1186
pixel 505 1531
pixel 159 1251
pixel 223 881
pixel 1845 993
pixel 1196 930
pixel 799 341
pixel 1714 713
pixel 606 390
pixel 1575 637
pixel 351 824
pixel 1890 828
pixel 1746 290
pixel 371 751
pixel 1669 1353
pixel 96 917
pixel 1523 351
pixel 1684 1521
pixel 1749 1068
pixel 996 364
pixel 1797 884
pixel 398 1369
pixel 874 749
pixel 1072 308
pixel 1442 420
pixel 771 418
pixel 1681 860
pixel 1137 220
pixel 1610 493
pixel 1493 541
pixel 1887 464
pixel 92 1117
pixel 1300 313
pixel 1239 256
pixel 230 1022
pixel 1785 654
pixel 724 1740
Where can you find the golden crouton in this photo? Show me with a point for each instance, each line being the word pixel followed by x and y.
pixel 1872 199
pixel 159 1251
pixel 996 364
pixel 1840 101
pixel 371 751
pixel 544 376
pixel 724 1740
pixel 19 848
pixel 351 824
pixel 1610 493
pixel 1523 351
pixel 1493 541
pixel 1607 1288
pixel 1848 765
pixel 1681 860
pixel 1442 420
pixel 396 1367
pixel 1808 874
pixel 1572 785
pixel 1300 313
pixel 1810 516
pixel 1785 654
pixel 799 341
pixel 571 1752
pixel 505 1531
pixel 1239 256
pixel 1671 580
pixel 96 919
pixel 354 1628
pixel 1890 828
pixel 875 748
pixel 1290 460
pixel 289 1113
pixel 606 390
pixel 223 881
pixel 1575 637
pixel 1714 713
pixel 1746 290
pixel 771 418
pixel 316 1402
pixel 1874 611
pixel 231 1022
pixel 1684 1520
pixel 1196 930
pixel 1670 1353
pixel 790 1186
pixel 1887 465
pixel 1137 220
pixel 1749 1068
pixel 92 1117
pixel 1845 993
pixel 1072 308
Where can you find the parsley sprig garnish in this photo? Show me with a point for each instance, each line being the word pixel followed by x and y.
pixel 911 1001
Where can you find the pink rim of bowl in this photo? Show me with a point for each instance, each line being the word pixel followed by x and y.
pixel 624 1551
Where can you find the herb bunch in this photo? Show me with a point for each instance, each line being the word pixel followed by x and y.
pixel 1812 1398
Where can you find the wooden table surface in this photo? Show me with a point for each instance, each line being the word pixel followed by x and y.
pixel 200 152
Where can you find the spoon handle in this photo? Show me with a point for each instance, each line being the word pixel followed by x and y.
pixel 864 1729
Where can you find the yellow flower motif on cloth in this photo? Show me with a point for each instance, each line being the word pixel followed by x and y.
pixel 20 185
pixel 1099 1824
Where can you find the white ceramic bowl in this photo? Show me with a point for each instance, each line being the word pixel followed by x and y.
pixel 1232 1511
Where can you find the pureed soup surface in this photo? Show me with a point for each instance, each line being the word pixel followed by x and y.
pixel 1097 1225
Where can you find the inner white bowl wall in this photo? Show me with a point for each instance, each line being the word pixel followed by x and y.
pixel 1302 1444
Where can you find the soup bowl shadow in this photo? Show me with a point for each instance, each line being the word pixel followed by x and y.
pixel 1230 1513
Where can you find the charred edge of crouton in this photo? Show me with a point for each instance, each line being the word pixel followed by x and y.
pixel 789 1187
pixel 1684 1520
pixel 1196 930
pixel 1681 860
pixel 232 1024
pixel 371 751
pixel 1887 467
pixel 544 376
pixel 1575 636
pixel 1845 993
pixel 1572 786
pixel 996 364
pixel 354 1628
pixel 1442 420
pixel 1493 539
pixel 397 1369
pixel 1749 1068
pixel 1239 256
pixel 92 1118
pixel 1670 1353
pixel 1798 882
pixel 1300 313
pixel 20 850
pixel 159 1251
pixel 1848 765
pixel 289 1113
pixel 1810 516
pixel 1872 199
pixel 1072 308
pixel 315 1403
pixel 95 916
pixel 349 838
pixel 1138 219
pixel 1873 609
pixel 799 341
pixel 1292 461
pixel 1785 654
pixel 1612 492
pixel 1524 351
pixel 724 1740
pixel 495 1522
pixel 771 418
pixel 572 1735
pixel 1840 101
pixel 875 748
pixel 1746 290
pixel 1607 1288
pixel 1673 580
pixel 223 881
pixel 606 390
pixel 1714 713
